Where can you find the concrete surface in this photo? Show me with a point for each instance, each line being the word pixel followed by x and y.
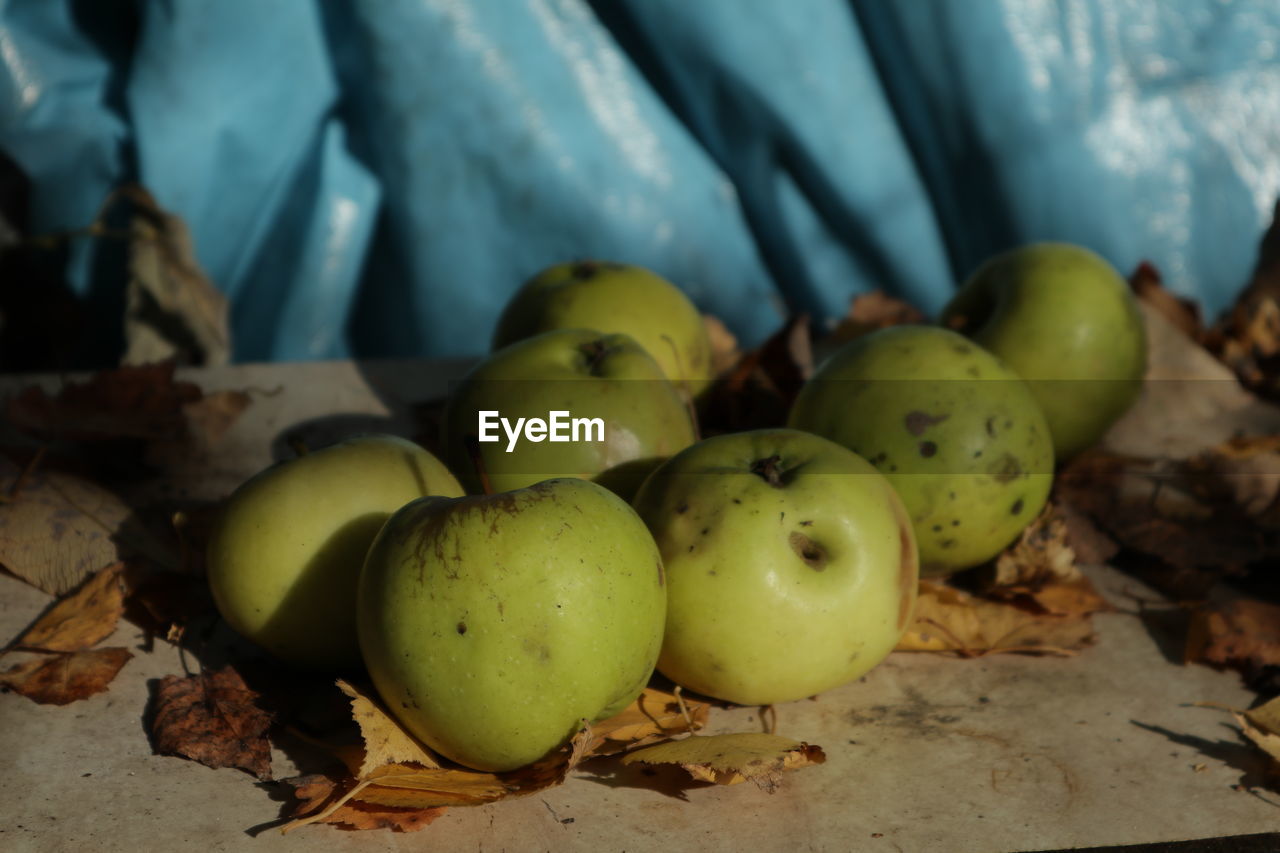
pixel 927 753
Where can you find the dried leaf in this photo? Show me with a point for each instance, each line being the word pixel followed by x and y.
pixel 1189 401
pixel 209 418
pixel 385 741
pixel 724 346
pixel 165 602
pixel 64 678
pixel 1173 510
pixel 1092 546
pixel 1041 555
pixel 141 402
pixel 314 791
pixel 1242 634
pixel 59 528
pixel 732 758
pixel 82 619
pixel 758 391
pixel 948 620
pixel 173 311
pixel 867 313
pixel 654 716
pixel 1182 313
pixel 213 718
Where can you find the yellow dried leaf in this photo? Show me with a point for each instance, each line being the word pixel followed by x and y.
pixel 385 741
pixel 82 619
pixel 949 620
pixel 653 717
pixel 732 758
pixel 724 346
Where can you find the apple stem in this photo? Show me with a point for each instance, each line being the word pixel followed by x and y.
pixel 678 692
pixel 769 717
pixel 298 446
pixel 477 462
pixel 595 351
pixel 769 470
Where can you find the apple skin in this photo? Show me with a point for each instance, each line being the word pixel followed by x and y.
pixel 587 374
pixel 286 550
pixel 493 625
pixel 1065 320
pixel 613 297
pixel 957 433
pixel 791 565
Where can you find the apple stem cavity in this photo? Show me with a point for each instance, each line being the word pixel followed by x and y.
pixel 595 351
pixel 769 470
pixel 813 554
pixel 298 446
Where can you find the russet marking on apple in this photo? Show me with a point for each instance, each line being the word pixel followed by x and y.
pixel 558 426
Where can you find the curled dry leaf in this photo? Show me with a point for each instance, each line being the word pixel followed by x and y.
pixel 733 758
pixel 62 678
pixel 949 620
pixel 173 310
pixel 393 771
pixel 1039 571
pixel 60 528
pixel 1243 634
pixel 82 619
pixel 313 791
pixel 724 346
pixel 1182 313
pixel 758 391
pixel 213 718
pixel 1262 726
pixel 867 313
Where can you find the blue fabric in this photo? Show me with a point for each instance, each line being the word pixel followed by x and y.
pixel 375 177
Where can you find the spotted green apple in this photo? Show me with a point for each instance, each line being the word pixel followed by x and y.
pixel 958 434
pixel 791 565
pixel 493 626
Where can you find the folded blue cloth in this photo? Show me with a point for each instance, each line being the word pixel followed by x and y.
pixel 375 177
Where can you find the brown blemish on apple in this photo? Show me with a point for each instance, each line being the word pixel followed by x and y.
pixel 1005 469
pixel 662 574
pixel 928 449
pixel 917 422
pixel 813 554
pixel 1016 508
pixel 462 628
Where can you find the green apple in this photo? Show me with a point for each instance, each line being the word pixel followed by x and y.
pixel 285 553
pixel 575 403
pixel 611 297
pixel 492 626
pixel 791 565
pixel 1066 321
pixel 958 434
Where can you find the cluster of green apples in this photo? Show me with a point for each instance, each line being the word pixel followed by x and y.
pixel 498 610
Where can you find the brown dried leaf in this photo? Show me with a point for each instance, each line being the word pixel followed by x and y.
pixel 724 346
pixel 1242 634
pixel 1040 556
pixel 58 529
pixel 141 402
pixel 64 678
pixel 314 791
pixel 213 718
pixel 732 758
pixel 1176 511
pixel 948 620
pixel 1092 546
pixel 1189 401
pixel 654 716
pixel 867 313
pixel 1182 313
pixel 173 310
pixel 758 391
pixel 82 619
